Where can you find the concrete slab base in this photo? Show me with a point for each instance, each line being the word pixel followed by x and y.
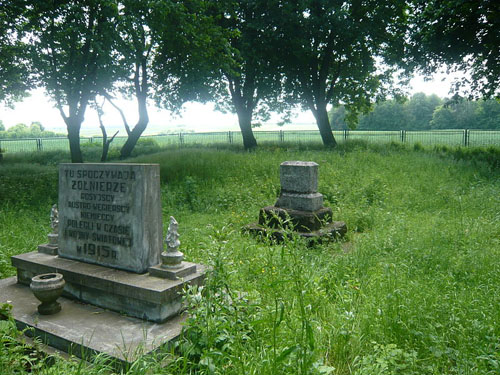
pixel 84 330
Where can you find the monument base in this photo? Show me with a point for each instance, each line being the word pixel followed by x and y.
pixel 48 249
pixel 84 330
pixel 332 231
pixel 184 270
pixel 138 295
pixel 301 221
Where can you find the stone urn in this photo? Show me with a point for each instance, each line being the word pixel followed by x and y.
pixel 48 287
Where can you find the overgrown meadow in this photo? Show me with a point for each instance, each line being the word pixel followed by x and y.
pixel 414 288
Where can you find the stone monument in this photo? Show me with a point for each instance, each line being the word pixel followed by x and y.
pixel 299 206
pixel 108 247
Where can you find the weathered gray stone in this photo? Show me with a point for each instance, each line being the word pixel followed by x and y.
pixel 138 295
pixel 302 202
pixel 48 249
pixel 85 330
pixel 185 269
pixel 302 221
pixel 299 176
pixel 299 207
pixel 331 231
pixel 110 214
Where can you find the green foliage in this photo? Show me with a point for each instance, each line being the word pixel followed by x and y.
pixel 414 113
pixel 465 114
pixel 329 51
pixel 414 289
pixel 35 130
pixel 422 112
pixel 461 36
pixel 15 74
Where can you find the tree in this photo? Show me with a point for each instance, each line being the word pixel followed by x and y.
pixel 2 126
pixel 337 116
pixel 414 113
pixel 387 115
pixel 455 114
pixel 420 109
pixel 15 77
pixel 249 83
pixel 461 36
pixel 461 113
pixel 488 113
pixel 329 51
pixel 136 40
pixel 71 53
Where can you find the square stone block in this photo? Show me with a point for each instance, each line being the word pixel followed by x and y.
pixel 300 202
pixel 299 176
pixel 48 249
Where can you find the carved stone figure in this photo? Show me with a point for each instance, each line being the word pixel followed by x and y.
pixel 172 258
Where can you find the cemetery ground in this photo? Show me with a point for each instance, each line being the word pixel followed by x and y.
pixel 414 288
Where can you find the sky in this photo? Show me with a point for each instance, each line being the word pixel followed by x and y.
pixel 195 117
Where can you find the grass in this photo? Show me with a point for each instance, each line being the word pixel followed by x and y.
pixel 414 288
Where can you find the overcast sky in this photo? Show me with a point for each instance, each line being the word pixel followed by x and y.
pixel 195 117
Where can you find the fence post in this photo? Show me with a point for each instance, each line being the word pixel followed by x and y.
pixel 466 137
pixel 39 144
pixel 345 134
pixel 230 137
pixel 181 139
pixel 403 136
pixel 282 136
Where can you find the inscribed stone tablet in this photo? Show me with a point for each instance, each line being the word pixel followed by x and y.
pixel 110 214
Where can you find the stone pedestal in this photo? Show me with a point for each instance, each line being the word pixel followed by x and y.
pixel 138 295
pixel 47 249
pixel 299 207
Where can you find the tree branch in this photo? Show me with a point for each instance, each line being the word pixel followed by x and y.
pixel 125 123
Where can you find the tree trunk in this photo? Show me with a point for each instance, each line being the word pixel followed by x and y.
pixel 73 125
pixel 133 137
pixel 245 121
pixel 325 130
pixel 135 134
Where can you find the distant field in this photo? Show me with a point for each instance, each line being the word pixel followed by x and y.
pixel 437 137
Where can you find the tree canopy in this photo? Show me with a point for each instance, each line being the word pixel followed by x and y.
pixel 14 67
pixel 71 54
pixel 459 36
pixel 253 57
pixel 330 52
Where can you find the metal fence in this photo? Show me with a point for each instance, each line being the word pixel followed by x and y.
pixel 464 137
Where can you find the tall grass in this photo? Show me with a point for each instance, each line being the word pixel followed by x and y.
pixel 413 289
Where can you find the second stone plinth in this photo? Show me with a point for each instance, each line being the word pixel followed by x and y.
pixel 299 207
